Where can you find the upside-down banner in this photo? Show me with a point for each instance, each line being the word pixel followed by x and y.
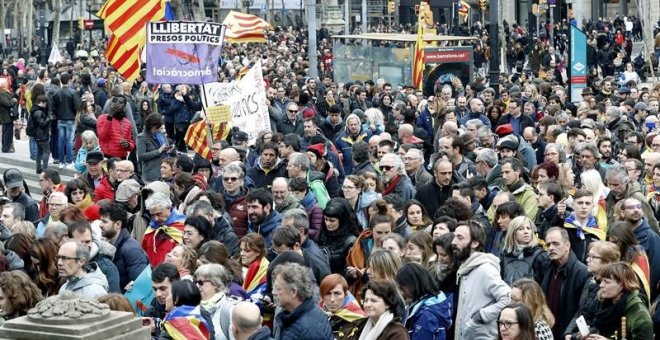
pixel 183 52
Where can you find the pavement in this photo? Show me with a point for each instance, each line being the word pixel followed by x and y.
pixel 21 161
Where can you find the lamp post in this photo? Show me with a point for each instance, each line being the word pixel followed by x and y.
pixel 247 4
pixel 42 32
pixel 494 47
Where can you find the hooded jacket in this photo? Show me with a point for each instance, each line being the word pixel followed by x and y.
pixel 129 259
pixel 526 197
pixel 290 202
pixel 482 295
pixel 429 318
pixel 314 213
pixel 270 223
pixel 91 285
pixel 101 254
pixel 344 143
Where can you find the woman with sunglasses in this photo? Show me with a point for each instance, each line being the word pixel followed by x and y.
pixel 212 280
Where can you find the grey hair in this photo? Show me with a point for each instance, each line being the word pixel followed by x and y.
pixel 561 114
pixel 591 147
pixel 299 159
pixel 418 153
pixel 89 136
pixel 158 201
pixel 199 208
pixel 60 195
pixel 82 252
pixel 487 155
pixel 299 217
pixel 398 163
pixel 296 278
pixel 484 132
pixel 617 171
pixel 233 168
pixel 476 122
pixel 17 211
pixel 216 273
pixel 59 229
pixel 613 111
pixel 374 116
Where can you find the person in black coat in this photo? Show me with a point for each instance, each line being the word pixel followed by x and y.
pixel 515 117
pixel 564 282
pixel 41 123
pixel 434 194
pixel 338 233
pixel 209 206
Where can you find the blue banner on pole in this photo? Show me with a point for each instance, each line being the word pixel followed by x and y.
pixel 180 52
pixel 579 69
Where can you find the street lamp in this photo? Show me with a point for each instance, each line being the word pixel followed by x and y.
pixel 494 47
pixel 247 4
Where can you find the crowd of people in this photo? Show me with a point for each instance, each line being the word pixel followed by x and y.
pixel 366 211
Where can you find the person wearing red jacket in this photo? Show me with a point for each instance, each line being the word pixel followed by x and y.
pixel 165 230
pixel 115 131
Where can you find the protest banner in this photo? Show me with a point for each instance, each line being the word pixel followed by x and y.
pixel 247 100
pixel 182 52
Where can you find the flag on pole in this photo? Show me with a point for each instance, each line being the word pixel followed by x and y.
pixel 463 10
pixel 197 138
pixel 245 28
pixel 126 21
pixel 418 59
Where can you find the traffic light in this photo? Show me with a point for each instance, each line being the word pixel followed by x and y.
pixel 483 4
pixel 81 23
pixel 391 6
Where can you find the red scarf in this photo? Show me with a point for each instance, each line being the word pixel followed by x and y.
pixel 392 185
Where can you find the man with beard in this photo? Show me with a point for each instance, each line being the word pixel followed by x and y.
pixel 283 198
pixel 605 148
pixel 393 176
pixel 647 238
pixel 563 283
pixel 269 167
pixel 621 187
pixel 524 193
pixel 233 196
pixel 477 109
pixel 263 219
pixel 129 258
pixel 478 276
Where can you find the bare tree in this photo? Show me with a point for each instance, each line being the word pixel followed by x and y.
pixel 3 23
pixel 57 13
pixel 645 13
pixel 30 23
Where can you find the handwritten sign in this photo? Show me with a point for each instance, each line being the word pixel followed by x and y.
pixel 219 114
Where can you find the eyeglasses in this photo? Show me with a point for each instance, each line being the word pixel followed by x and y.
pixel 292 111
pixel 634 206
pixel 56 205
pixel 347 187
pixel 201 282
pixel 593 257
pixel 230 179
pixel 384 168
pixel 506 324
pixel 65 258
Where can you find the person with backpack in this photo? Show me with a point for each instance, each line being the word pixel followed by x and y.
pixel 522 256
pixel 38 127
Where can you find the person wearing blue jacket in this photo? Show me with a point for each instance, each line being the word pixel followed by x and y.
pixel 353 133
pixel 428 310
pixel 647 238
pixel 262 218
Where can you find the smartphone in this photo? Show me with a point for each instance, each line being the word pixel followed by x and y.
pixel 582 325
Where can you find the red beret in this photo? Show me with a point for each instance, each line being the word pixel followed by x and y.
pixel 504 130
pixel 92 212
pixel 318 149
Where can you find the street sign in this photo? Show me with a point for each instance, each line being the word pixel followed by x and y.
pixel 263 8
pixel 89 24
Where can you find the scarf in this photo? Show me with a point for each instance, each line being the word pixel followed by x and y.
pixel 373 330
pixel 158 136
pixel 209 305
pixel 173 227
pixel 86 202
pixel 392 185
pixel 350 310
pixel 256 275
pixel 590 227
pixel 186 322
pixel 608 316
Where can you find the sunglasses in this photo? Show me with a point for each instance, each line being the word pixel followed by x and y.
pixel 230 179
pixel 384 168
pixel 200 282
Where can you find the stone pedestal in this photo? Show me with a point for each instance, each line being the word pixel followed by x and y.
pixel 72 317
pixel 333 17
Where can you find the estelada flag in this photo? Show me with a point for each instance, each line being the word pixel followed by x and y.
pixel 196 138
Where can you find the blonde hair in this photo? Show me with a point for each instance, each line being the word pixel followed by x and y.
pixel 89 136
pixel 510 243
pixel 383 264
pixel 534 298
pixel 606 250
pixel 591 181
pixel 26 228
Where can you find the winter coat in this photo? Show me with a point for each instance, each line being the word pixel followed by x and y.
pixel 332 131
pixel 262 334
pixel 307 321
pixel 429 318
pixel 104 190
pixel 524 121
pixel 482 295
pixel 91 285
pixel 344 143
pixel 129 259
pixel 526 197
pixel 534 255
pixel 30 205
pixel 581 236
pixel 81 159
pixel 264 178
pixel 224 233
pixel 237 209
pixel 6 104
pixel 179 111
pixel 421 177
pixel 111 133
pixel 41 123
pixel 14 261
pixel 632 191
pixel 650 242
pixel 286 126
pixel 336 249
pixel 393 331
pixel 103 259
pixel 65 104
pixel 639 325
pixel 575 276
pixel 290 202
pixel 149 156
pixel 314 214
pixel 87 123
pixel 270 223
pixel 587 307
pixel 432 196
pixel 404 189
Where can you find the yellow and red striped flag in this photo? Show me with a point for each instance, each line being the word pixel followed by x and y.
pixel 418 59
pixel 463 10
pixel 220 131
pixel 197 138
pixel 245 28
pixel 126 61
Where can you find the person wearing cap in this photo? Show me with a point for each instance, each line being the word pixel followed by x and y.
pixel 640 112
pixel 13 179
pixel 128 194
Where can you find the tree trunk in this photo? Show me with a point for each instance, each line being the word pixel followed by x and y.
pixel 2 25
pixel 57 14
pixel 645 16
pixel 502 37
pixel 200 11
pixel 179 11
pixel 19 12
pixel 30 25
